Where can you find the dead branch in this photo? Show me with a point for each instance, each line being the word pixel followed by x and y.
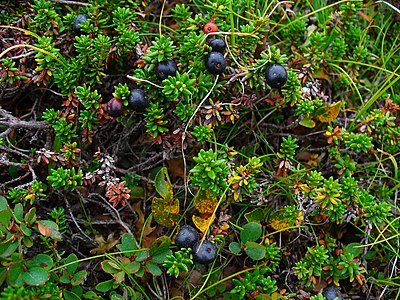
pixel 7 119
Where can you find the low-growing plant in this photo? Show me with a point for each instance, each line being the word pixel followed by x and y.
pixel 271 127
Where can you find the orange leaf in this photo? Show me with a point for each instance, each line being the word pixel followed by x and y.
pixel 327 114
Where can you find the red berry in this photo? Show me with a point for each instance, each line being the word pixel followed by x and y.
pixel 210 27
pixel 115 107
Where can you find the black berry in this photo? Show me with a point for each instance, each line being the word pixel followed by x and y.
pixel 186 237
pixel 332 293
pixel 115 107
pixel 215 63
pixel 217 45
pixel 276 76
pixel 78 21
pixel 166 68
pixel 137 100
pixel 204 253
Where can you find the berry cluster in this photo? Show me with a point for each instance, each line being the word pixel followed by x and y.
pixel 215 63
pixel 203 253
pixel 137 101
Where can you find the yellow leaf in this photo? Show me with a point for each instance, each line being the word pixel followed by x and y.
pixel 204 203
pixel 166 213
pixel 202 223
pixel 327 114
pixel 29 197
pixel 278 221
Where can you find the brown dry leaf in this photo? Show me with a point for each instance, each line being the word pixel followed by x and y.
pixel 149 234
pixel 104 246
pixel 321 284
pixel 176 167
pixel 44 230
pixel 140 220
pixel 148 231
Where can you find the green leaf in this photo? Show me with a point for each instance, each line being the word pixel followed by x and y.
pixel 105 286
pixel 77 290
pixel 28 242
pixel 3 275
pixel 353 248
pixel 18 213
pixel 211 174
pixel 79 277
pixel 30 217
pixel 15 274
pixel 110 267
pixel 71 263
pixel 153 268
pixel 137 192
pixel 369 255
pixel 257 215
pixel 35 276
pixel 5 218
pixel 235 248
pixel 160 250
pixel 131 267
pixel 163 184
pixel 119 277
pixel 140 273
pixel 64 278
pixel 307 122
pixel 142 255
pixel 3 203
pixel 117 297
pixel 229 296
pixel 70 295
pixel 8 247
pixel 128 244
pixel 41 260
pixel 25 230
pixel 90 295
pixel 251 232
pixel 255 251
